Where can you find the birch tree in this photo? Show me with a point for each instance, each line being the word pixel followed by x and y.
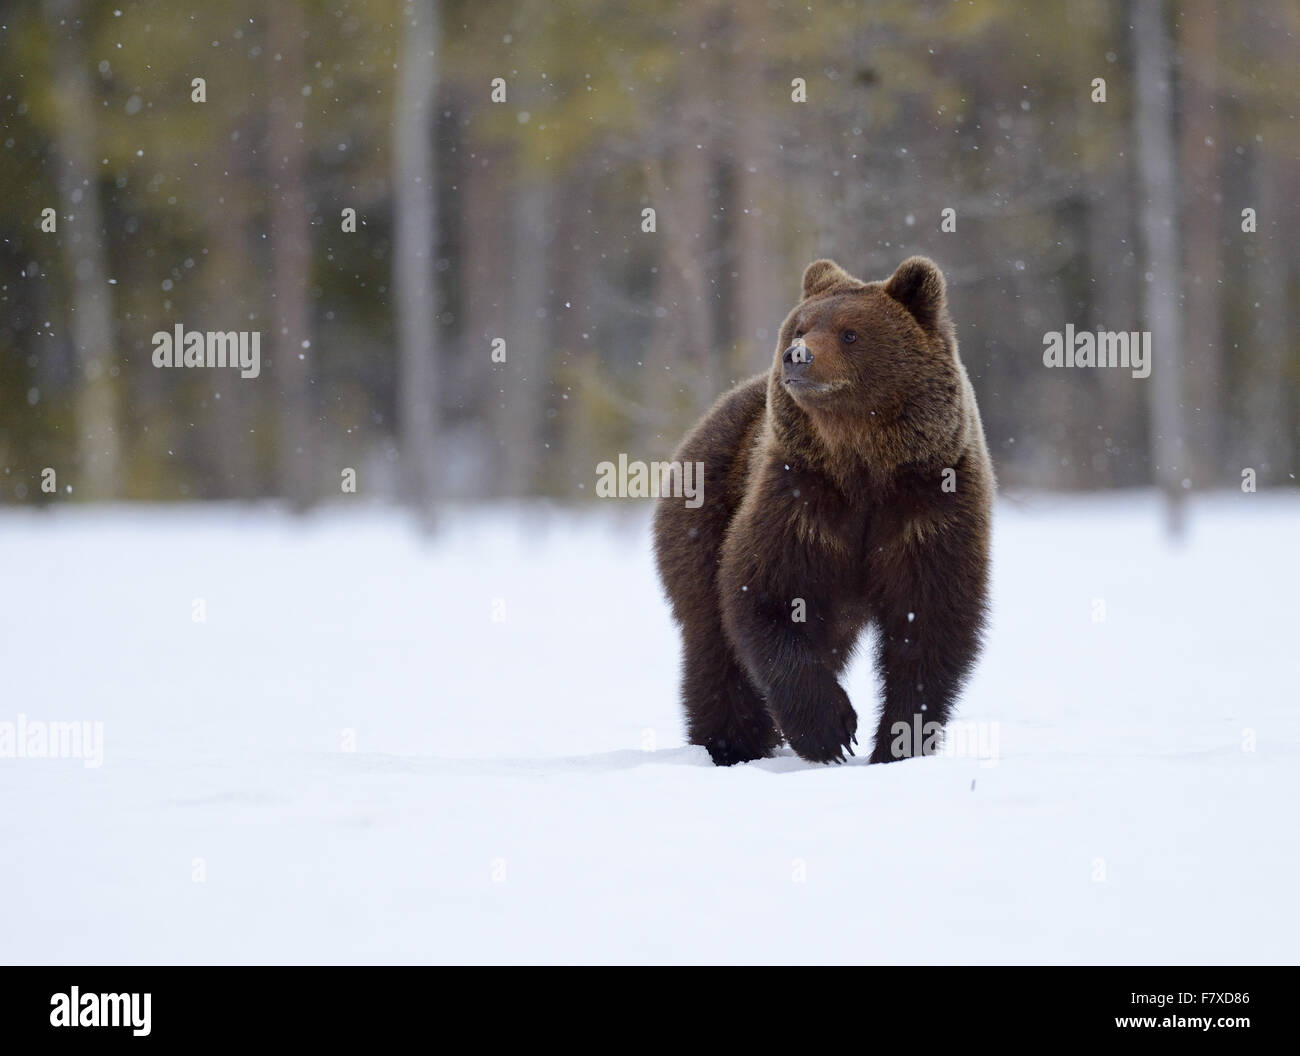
pixel 1158 216
pixel 415 237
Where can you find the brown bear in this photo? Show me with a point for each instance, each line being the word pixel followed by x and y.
pixel 849 485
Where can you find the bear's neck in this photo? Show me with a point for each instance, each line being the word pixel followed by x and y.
pixel 854 458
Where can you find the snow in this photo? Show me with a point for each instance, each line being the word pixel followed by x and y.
pixel 519 789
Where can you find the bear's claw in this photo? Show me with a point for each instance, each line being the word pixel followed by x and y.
pixel 830 742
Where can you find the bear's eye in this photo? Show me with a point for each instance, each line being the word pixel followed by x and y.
pixel 799 332
pixel 849 336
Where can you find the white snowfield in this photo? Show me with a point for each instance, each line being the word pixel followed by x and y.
pixel 377 747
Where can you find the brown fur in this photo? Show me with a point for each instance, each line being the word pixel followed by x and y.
pixel 823 482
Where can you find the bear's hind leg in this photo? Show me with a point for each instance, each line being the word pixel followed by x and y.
pixel 724 711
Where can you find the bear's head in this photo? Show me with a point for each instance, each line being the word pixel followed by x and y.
pixel 877 360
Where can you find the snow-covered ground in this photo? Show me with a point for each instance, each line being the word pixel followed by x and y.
pixel 350 759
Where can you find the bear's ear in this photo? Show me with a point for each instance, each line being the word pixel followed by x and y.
pixel 822 276
pixel 919 287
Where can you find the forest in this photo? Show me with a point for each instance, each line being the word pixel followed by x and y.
pixel 488 247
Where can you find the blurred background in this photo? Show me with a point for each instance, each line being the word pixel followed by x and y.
pixel 521 220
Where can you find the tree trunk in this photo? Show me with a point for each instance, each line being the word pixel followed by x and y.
pixel 1158 220
pixel 415 238
pixel 231 286
pixel 521 402
pixel 486 256
pixel 99 472
pixel 290 257
pixel 1268 431
pixel 759 305
pixel 1200 152
pixel 1117 290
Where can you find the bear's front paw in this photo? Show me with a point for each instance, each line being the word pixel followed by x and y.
pixel 742 741
pixel 728 753
pixel 823 730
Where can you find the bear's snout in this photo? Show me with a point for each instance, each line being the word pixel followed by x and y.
pixel 796 359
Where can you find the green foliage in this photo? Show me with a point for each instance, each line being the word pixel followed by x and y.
pixel 981 106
